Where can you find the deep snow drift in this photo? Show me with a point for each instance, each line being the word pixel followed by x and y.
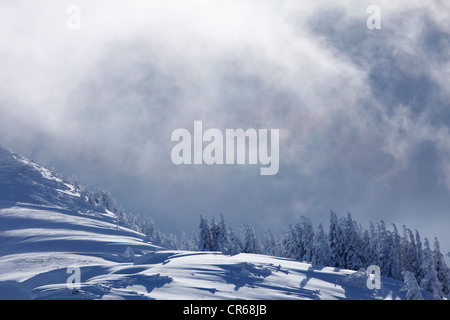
pixel 46 237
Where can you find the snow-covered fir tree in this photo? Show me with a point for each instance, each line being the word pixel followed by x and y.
pixel 227 241
pixel 335 239
pixel 352 258
pixel 193 242
pixel 289 243
pixel 411 257
pixel 384 249
pixel 411 286
pixel 270 246
pixel 420 256
pixel 430 280
pixel 169 241
pixel 204 239
pixel 321 255
pixel 184 242
pixel 250 242
pixel 389 251
pixel 443 272
pixel 396 265
pixel 367 249
pixel 305 236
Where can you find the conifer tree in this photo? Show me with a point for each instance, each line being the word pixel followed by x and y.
pixel 305 235
pixel 250 242
pixel 214 235
pixel 443 272
pixel 321 255
pixel 270 244
pixel 227 241
pixel 411 259
pixel 411 286
pixel 194 241
pixel 419 257
pixel 204 241
pixel 184 242
pixel 289 243
pixel 396 260
pixel 352 254
pixel 336 242
pixel 430 280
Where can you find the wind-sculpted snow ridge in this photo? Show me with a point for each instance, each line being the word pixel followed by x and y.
pixel 54 246
pixel 117 264
pixel 40 245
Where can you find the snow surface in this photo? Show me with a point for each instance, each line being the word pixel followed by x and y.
pixel 43 233
pixel 38 244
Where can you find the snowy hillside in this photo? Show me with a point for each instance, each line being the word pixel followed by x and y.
pixel 38 244
pixel 48 237
pixel 21 180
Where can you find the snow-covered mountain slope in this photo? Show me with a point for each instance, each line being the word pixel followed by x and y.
pixel 21 180
pixel 47 240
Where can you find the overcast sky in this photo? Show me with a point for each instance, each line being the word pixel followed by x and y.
pixel 364 114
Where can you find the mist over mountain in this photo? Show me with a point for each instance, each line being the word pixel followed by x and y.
pixel 355 93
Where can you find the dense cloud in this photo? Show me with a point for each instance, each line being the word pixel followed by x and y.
pixel 363 114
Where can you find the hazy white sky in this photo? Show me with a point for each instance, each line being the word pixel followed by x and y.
pixel 363 114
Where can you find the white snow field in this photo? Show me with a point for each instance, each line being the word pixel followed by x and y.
pixel 45 239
